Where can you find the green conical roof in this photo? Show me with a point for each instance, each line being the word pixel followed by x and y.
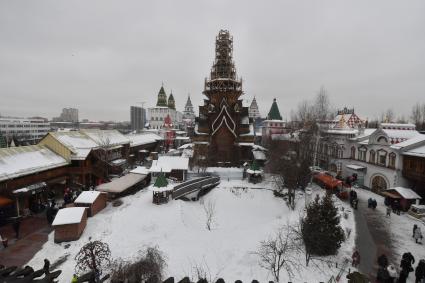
pixel 161 181
pixel 274 113
pixel 171 102
pixel 162 98
pixel 254 166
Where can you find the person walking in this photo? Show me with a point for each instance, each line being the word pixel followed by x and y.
pixel 406 268
pixel 46 267
pixel 418 236
pixel 388 211
pixel 414 229
pixel 420 272
pixel 16 226
pixel 74 279
pixel 355 259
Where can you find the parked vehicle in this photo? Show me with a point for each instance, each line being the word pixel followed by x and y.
pixel 417 211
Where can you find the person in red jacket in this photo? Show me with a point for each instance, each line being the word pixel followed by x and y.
pixel 356 259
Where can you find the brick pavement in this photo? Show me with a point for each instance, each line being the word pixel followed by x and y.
pixel 34 233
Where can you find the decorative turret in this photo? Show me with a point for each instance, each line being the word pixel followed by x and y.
pixel 171 102
pixel 188 108
pixel 253 111
pixel 274 113
pixel 162 98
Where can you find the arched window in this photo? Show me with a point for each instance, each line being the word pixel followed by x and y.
pixel 353 152
pixel 372 158
pixel 362 153
pixel 391 162
pixel 382 157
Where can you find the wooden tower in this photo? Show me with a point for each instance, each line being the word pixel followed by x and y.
pixel 224 132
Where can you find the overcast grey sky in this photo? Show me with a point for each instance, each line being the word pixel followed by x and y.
pixel 103 56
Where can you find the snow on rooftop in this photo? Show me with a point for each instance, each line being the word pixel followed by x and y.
pixel 106 137
pixel 140 170
pixel 169 163
pixel 143 138
pixel 401 134
pixel 25 160
pixel 78 143
pixel 69 215
pixel 259 155
pixel 87 197
pixel 190 145
pixel 417 139
pixel 418 151
pixel 405 193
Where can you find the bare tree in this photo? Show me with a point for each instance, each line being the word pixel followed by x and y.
pixel 280 252
pixel 388 116
pixel 416 115
pixel 210 210
pixel 103 153
pixel 322 105
pixel 201 271
pixel 201 157
pixel 149 265
pixel 93 256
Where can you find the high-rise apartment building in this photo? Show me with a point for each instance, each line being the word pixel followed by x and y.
pixel 137 118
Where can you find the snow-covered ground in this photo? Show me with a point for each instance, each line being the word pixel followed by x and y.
pixel 243 218
pixel 401 228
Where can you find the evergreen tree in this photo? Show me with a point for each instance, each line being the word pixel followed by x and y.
pixel 320 229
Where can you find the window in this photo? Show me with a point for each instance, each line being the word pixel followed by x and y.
pixel 362 153
pixel 391 162
pixel 353 152
pixel 372 157
pixel 382 157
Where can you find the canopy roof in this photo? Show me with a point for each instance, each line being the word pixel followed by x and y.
pixel 121 184
pixel 404 192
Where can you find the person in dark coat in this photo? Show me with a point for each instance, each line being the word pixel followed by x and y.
pixel 420 271
pixel 16 226
pixel 356 259
pixel 414 230
pixel 406 268
pixel 383 261
pixel 382 276
pixel 46 267
pixel 410 258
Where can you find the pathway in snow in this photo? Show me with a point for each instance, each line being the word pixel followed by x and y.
pixel 373 236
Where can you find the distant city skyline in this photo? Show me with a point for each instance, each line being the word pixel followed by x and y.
pixel 102 57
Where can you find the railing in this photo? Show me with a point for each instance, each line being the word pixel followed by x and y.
pixel 194 185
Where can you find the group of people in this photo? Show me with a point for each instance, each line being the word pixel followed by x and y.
pixel 371 203
pixel 387 273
